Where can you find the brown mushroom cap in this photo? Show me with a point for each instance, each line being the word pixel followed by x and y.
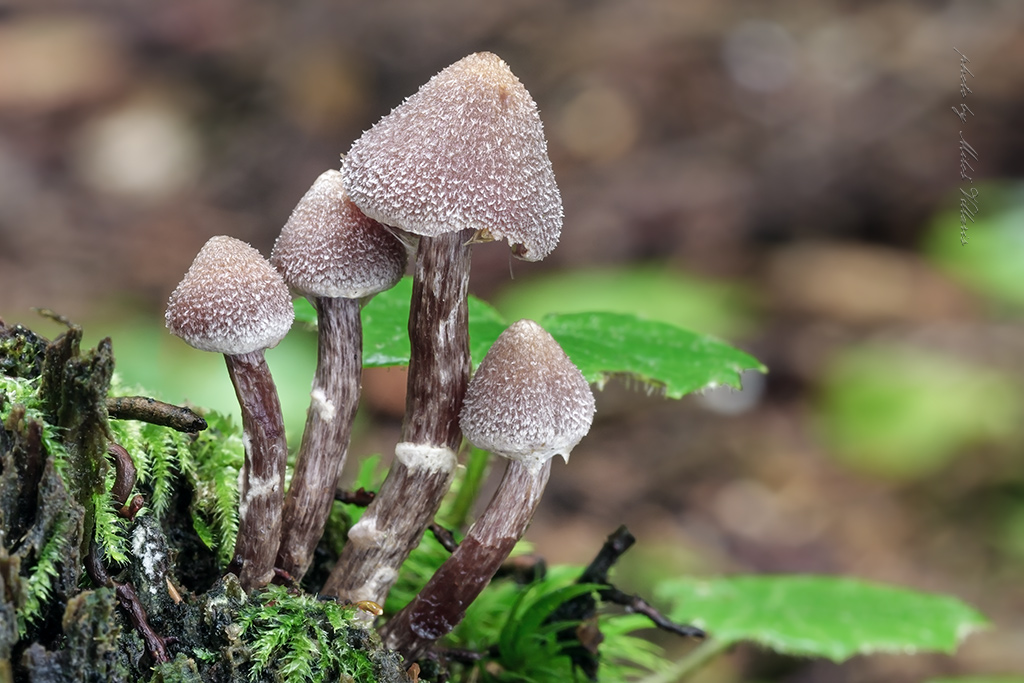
pixel 527 401
pixel 467 151
pixel 230 301
pixel 328 248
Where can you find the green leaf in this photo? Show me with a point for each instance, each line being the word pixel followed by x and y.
pixel 654 353
pixel 820 616
pixel 979 679
pixel 652 291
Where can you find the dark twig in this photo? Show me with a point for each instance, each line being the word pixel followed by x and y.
pixel 94 566
pixel 360 497
pixel 634 603
pixel 617 543
pixel 155 643
pixel 54 316
pixel 150 410
pixel 597 572
pixel 584 607
pixel 129 601
pixel 124 480
pixel 444 536
pixel 523 569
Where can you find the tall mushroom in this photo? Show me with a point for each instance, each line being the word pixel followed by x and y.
pixel 232 301
pixel 464 159
pixel 528 403
pixel 336 257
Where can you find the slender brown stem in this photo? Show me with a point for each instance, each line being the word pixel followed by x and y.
pixel 156 412
pixel 442 603
pixel 425 460
pixel 124 469
pixel 262 487
pixel 439 339
pixel 326 436
pixel 129 601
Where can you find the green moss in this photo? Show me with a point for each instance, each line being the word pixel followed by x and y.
pixel 21 352
pixel 300 638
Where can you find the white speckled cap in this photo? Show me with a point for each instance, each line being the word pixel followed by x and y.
pixel 467 151
pixel 527 401
pixel 329 248
pixel 230 301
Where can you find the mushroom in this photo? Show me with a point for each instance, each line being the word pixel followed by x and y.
pixel 462 160
pixel 232 301
pixel 337 258
pixel 527 403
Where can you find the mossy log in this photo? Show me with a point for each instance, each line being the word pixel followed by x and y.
pixel 69 613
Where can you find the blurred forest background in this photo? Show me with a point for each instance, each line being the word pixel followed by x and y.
pixel 784 175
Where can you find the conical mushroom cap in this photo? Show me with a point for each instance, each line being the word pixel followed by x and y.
pixel 527 401
pixel 467 151
pixel 328 248
pixel 230 301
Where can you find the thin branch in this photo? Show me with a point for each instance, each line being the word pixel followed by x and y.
pixel 444 536
pixel 634 603
pixel 523 569
pixel 150 410
pixel 124 469
pixel 129 601
pixel 360 497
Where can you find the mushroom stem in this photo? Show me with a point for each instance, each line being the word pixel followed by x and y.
pixel 425 460
pixel 262 484
pixel 439 337
pixel 335 397
pixel 442 603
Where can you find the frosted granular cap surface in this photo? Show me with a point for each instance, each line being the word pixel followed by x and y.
pixel 467 151
pixel 527 400
pixel 230 301
pixel 329 248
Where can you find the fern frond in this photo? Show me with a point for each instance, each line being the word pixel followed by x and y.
pixel 39 582
pixel 214 460
pixel 111 530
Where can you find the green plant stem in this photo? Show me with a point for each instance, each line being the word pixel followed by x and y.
pixel 476 472
pixel 691 662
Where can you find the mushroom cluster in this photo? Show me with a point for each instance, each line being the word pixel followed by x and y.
pixel 463 160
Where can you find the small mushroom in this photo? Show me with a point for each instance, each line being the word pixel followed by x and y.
pixel 336 257
pixel 527 403
pixel 462 160
pixel 232 301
